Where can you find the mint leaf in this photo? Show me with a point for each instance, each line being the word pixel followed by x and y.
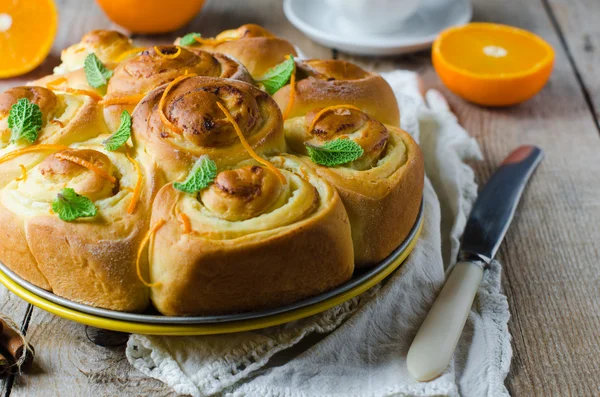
pixel 121 135
pixel 201 175
pixel 336 152
pixel 189 39
pixel 70 205
pixel 96 73
pixel 24 120
pixel 278 76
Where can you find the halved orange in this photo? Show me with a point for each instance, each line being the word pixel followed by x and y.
pixel 491 64
pixel 27 31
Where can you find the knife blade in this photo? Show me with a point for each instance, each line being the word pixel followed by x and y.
pixel 492 213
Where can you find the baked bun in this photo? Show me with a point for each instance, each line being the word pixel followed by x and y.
pixel 249 241
pixel 381 190
pixel 159 65
pixel 322 83
pixel 108 45
pixel 88 260
pixel 66 118
pixel 193 125
pixel 254 46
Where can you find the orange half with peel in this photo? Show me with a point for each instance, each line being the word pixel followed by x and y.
pixel 491 64
pixel 27 31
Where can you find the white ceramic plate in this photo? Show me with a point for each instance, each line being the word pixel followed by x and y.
pixel 319 22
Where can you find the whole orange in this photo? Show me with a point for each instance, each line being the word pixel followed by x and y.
pixel 151 16
pixel 491 64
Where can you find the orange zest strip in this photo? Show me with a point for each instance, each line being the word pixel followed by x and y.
pixel 185 220
pixel 247 146
pixel 143 243
pixel 23 173
pixel 327 109
pixel 54 85
pixel 76 91
pixel 124 100
pixel 138 185
pixel 168 56
pixel 34 148
pixel 125 54
pixel 84 163
pixel 290 104
pixel 213 41
pixel 161 103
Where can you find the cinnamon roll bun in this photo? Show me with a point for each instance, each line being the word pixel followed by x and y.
pixel 322 83
pixel 159 65
pixel 254 46
pixel 248 241
pixel 110 47
pixel 66 118
pixel 381 189
pixel 91 259
pixel 179 122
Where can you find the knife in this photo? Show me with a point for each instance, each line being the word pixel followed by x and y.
pixel 434 344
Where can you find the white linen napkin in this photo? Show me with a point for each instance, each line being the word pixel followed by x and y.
pixel 359 348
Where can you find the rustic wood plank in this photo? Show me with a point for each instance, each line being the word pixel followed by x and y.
pixel 67 360
pixel 577 21
pixel 551 275
pixel 551 252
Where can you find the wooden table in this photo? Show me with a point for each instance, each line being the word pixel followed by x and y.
pixel 552 251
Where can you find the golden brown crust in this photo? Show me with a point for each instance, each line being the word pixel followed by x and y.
pixel 214 270
pixel 191 106
pixel 68 118
pixel 89 260
pixel 108 45
pixel 15 252
pixel 148 70
pixel 381 190
pixel 323 83
pixel 254 46
pixel 258 54
pixel 43 97
pixel 381 212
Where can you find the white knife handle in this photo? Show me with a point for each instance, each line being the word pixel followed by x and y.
pixel 434 344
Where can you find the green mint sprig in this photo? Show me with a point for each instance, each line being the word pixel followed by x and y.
pixel 24 120
pixel 96 73
pixel 203 173
pixel 189 39
pixel 121 135
pixel 336 152
pixel 278 76
pixel 69 206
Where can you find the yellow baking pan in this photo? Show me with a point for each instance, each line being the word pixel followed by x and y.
pixel 152 324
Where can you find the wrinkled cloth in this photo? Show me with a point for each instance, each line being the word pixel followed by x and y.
pixel 359 347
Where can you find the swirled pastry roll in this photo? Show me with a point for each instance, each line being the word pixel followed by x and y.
pixel 158 65
pixel 91 259
pixel 254 46
pixel 322 83
pixel 109 46
pixel 248 241
pixel 178 123
pixel 66 118
pixel 381 189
